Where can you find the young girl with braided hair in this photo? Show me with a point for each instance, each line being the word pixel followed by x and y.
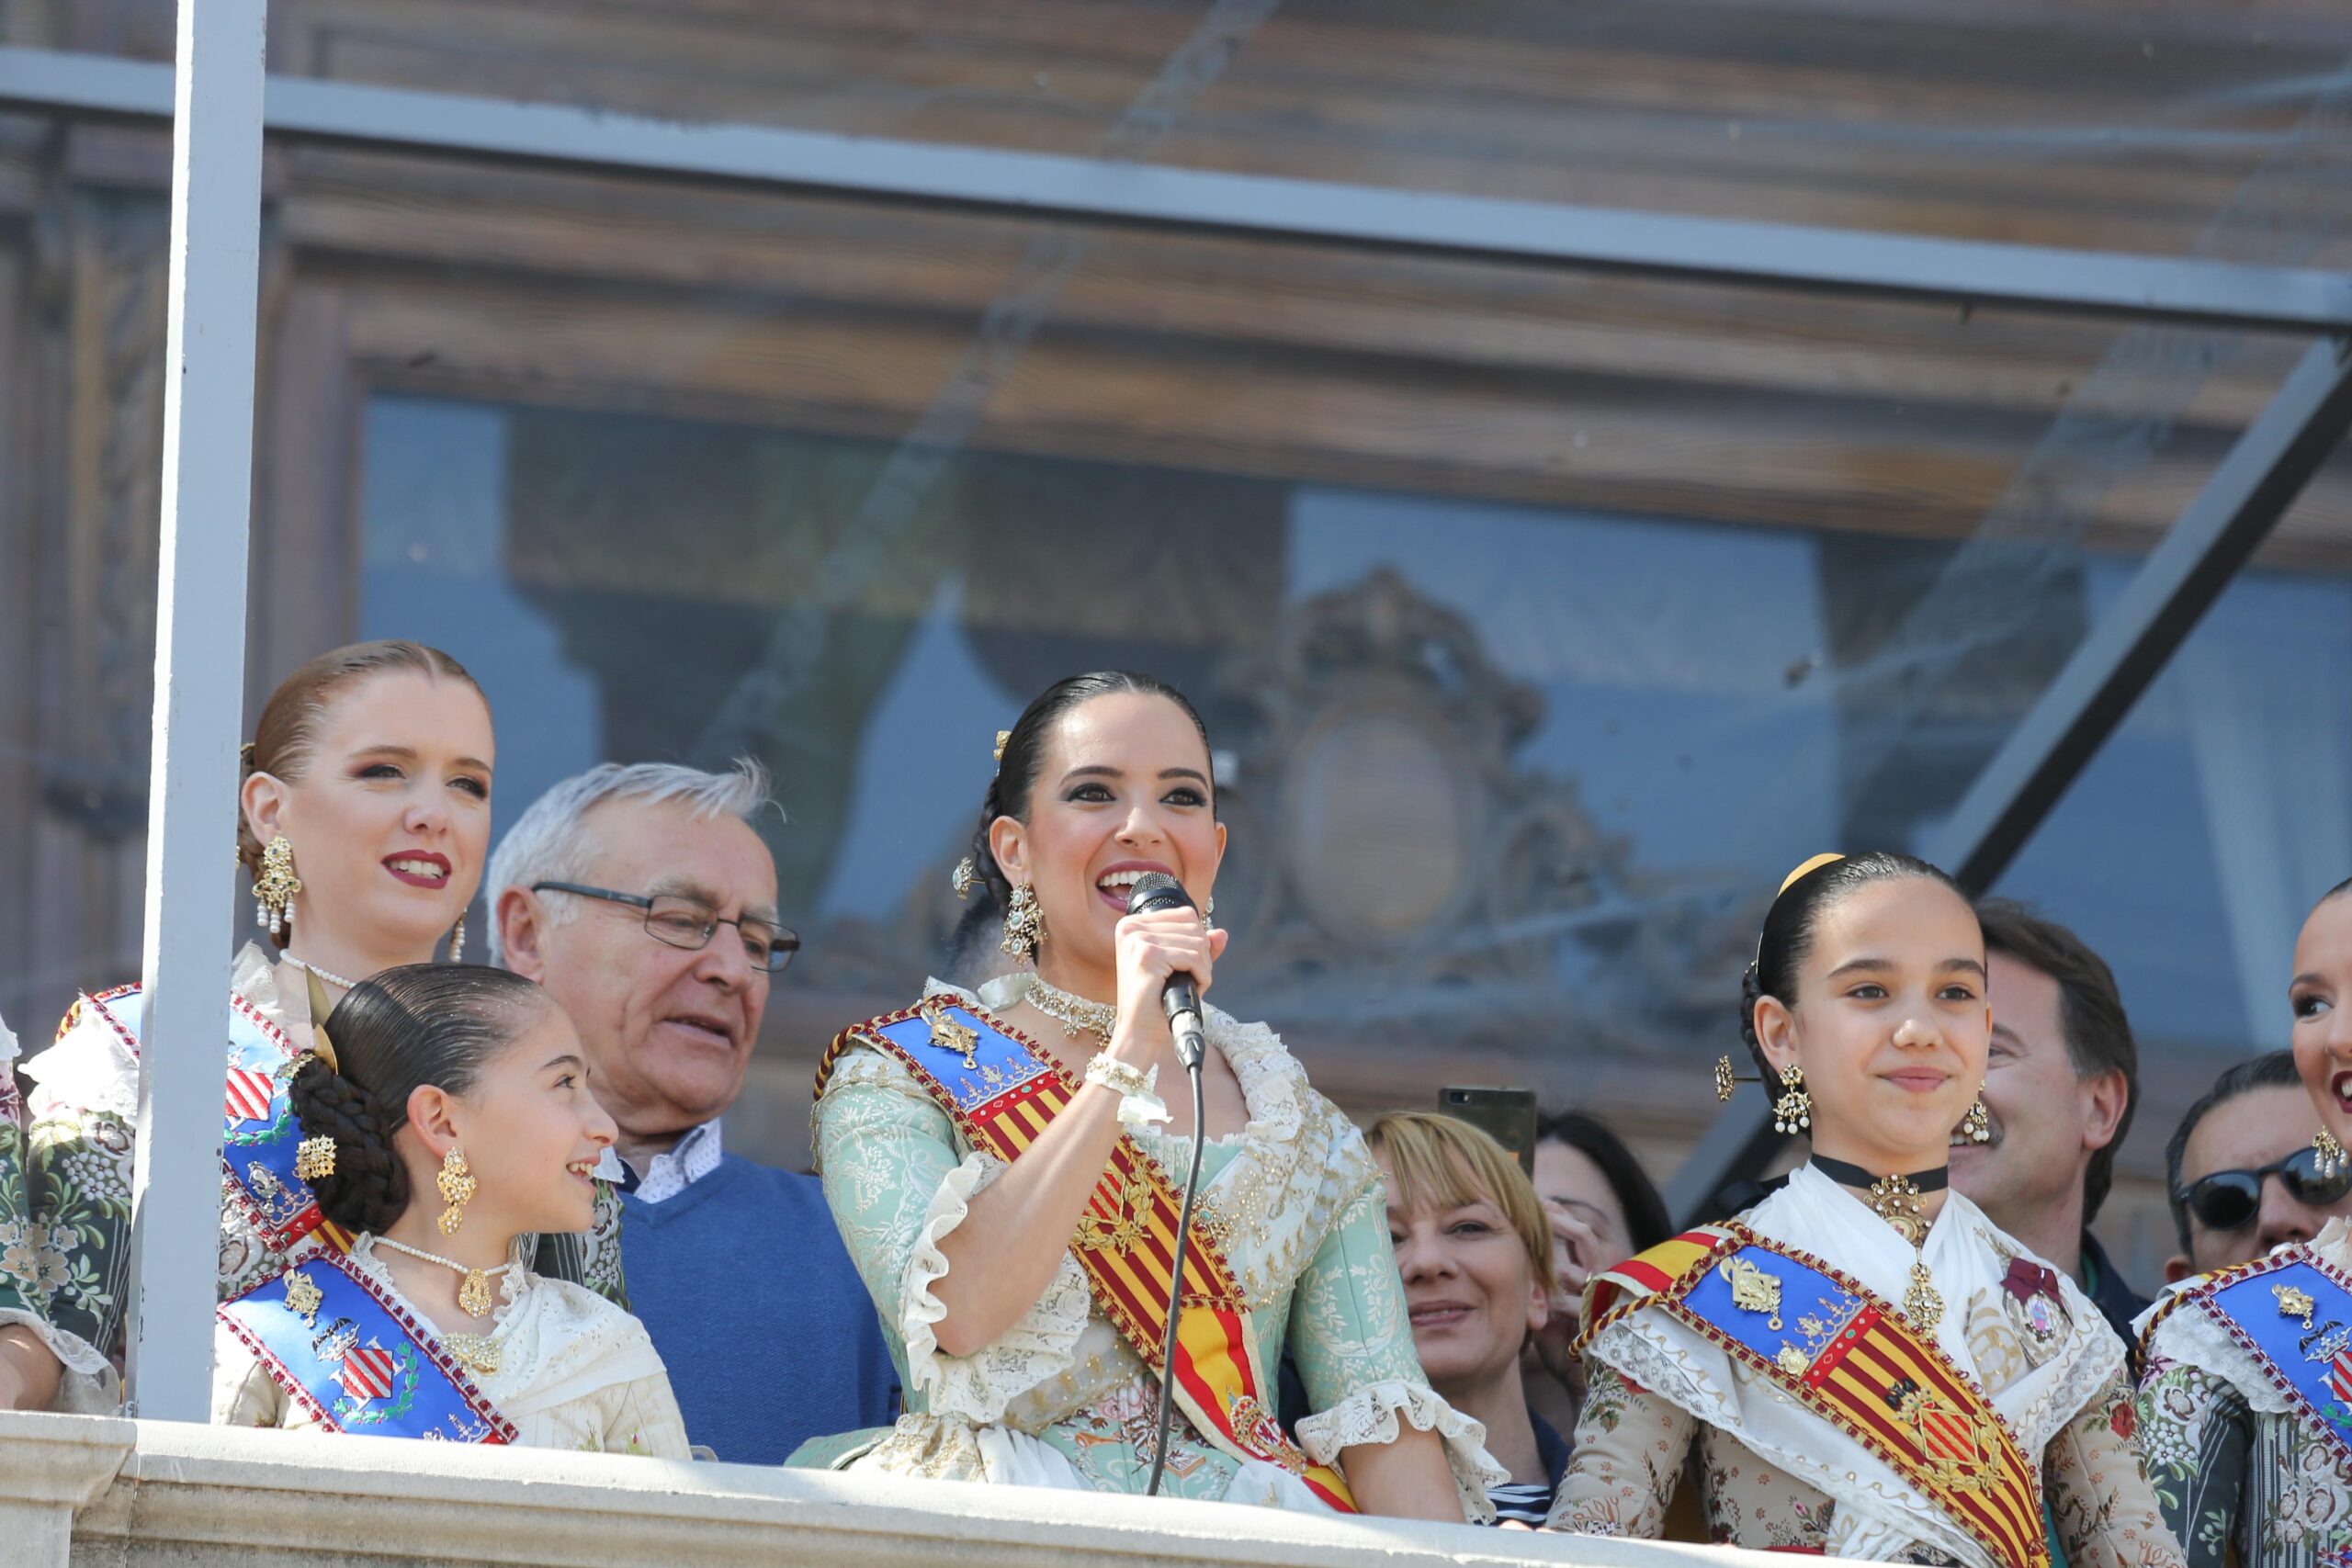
pixel 445 1123
pixel 1864 1364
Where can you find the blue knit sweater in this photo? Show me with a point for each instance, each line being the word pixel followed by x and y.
pixel 767 1331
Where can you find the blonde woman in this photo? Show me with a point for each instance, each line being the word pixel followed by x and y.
pixel 1474 1251
pixel 363 817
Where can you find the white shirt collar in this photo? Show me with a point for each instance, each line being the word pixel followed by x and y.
pixel 675 1169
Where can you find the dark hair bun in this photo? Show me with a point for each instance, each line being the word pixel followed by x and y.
pixel 369 1188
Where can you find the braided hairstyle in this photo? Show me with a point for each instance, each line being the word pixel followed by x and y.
pixel 421 1024
pixel 1789 925
pixel 1016 777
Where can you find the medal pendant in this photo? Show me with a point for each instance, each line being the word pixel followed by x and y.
pixel 1921 1303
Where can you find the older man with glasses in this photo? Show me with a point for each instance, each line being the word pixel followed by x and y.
pixel 2242 1172
pixel 643 898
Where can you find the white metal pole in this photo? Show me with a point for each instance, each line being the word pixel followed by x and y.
pixel 199 700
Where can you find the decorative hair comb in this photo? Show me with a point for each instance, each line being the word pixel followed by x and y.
pixel 1001 737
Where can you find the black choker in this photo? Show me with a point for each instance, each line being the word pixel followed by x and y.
pixel 1845 1175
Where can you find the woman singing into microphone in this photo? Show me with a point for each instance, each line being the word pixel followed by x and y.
pixel 1006 1170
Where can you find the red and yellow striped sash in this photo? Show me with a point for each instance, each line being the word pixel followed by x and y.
pixel 1003 1091
pixel 1845 1355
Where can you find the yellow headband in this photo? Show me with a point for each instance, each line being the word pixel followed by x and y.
pixel 1807 869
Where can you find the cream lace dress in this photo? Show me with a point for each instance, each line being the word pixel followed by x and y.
pixel 1774 1475
pixel 1059 1399
pixel 575 1372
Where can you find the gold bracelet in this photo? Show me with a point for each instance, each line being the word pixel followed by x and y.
pixel 1140 1101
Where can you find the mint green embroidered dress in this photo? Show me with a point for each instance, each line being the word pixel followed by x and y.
pixel 1060 1398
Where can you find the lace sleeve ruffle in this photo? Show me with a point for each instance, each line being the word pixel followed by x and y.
pixel 1371 1415
pixel 94 1067
pixel 1040 1345
pixel 88 1386
pixel 2189 1337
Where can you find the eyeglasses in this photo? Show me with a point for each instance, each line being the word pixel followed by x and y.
pixel 2229 1199
pixel 690 923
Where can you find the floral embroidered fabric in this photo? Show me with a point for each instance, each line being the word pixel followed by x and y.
pixel 1060 1399
pixel 1777 1475
pixel 2240 1474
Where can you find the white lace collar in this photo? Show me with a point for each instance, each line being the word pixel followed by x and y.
pixel 1273 1086
pixel 253 975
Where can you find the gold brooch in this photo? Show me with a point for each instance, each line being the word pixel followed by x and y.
pixel 2295 1302
pixel 1752 1290
pixel 314 1157
pixel 947 1034
pixel 302 1298
pixel 965 877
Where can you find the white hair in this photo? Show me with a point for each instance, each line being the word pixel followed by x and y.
pixel 550 843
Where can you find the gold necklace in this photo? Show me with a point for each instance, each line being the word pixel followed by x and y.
pixel 1898 1201
pixel 1076 1014
pixel 474 1296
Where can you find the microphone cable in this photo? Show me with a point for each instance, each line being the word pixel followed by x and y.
pixel 1176 1286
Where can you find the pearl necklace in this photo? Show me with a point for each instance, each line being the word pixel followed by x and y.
pixel 474 1296
pixel 329 975
pixel 1077 1015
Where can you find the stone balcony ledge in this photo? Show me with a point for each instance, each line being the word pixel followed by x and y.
pixel 113 1493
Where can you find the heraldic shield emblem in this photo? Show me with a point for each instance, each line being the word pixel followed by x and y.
pixel 1959 1451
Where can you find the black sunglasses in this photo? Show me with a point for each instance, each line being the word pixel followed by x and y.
pixel 2229 1199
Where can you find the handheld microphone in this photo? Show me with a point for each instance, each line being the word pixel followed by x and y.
pixel 1181 997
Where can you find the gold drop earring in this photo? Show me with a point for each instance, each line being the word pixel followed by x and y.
pixel 1794 1111
pixel 274 888
pixel 1024 926
pixel 456 1183
pixel 2331 1153
pixel 1978 1123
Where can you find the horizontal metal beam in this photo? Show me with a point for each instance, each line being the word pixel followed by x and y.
pixel 1780 255
pixel 2242 500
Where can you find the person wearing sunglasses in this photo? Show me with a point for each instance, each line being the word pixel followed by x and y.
pixel 643 898
pixel 2244 1424
pixel 2241 1174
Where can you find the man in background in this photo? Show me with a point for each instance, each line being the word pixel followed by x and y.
pixel 2240 1170
pixel 641 898
pixel 2063 1078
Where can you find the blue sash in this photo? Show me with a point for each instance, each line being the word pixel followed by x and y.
pixel 1828 1346
pixel 259 1133
pixel 355 1361
pixel 2294 1315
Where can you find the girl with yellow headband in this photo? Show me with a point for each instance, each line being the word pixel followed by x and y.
pixel 1868 1366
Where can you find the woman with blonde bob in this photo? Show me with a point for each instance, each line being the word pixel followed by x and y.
pixel 1474 1250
